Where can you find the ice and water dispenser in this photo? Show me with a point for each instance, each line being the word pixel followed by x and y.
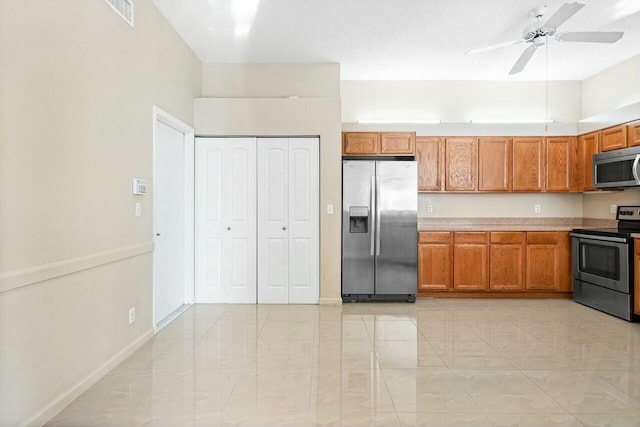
pixel 358 219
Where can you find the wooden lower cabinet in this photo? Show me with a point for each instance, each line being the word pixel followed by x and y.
pixel 507 261
pixel 636 279
pixel 516 262
pixel 548 261
pixel 435 254
pixel 470 261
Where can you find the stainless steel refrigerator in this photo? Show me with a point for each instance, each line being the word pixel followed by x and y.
pixel 379 230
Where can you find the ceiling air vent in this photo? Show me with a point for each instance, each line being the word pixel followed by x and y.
pixel 124 8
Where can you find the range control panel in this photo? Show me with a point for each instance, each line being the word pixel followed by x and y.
pixel 628 213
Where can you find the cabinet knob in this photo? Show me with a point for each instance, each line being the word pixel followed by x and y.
pixel 157 234
pixel 228 228
pixel 284 227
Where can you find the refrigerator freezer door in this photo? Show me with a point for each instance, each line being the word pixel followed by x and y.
pixel 397 227
pixel 357 238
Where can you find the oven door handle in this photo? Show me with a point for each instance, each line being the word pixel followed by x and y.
pixel 634 169
pixel 601 238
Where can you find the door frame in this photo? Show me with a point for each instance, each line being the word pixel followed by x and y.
pixel 161 116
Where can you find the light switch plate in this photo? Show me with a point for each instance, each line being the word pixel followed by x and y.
pixel 138 209
pixel 329 209
pixel 613 209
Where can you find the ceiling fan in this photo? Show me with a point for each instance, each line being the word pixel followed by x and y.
pixel 539 34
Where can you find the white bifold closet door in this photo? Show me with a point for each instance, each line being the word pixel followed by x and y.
pixel 288 220
pixel 225 220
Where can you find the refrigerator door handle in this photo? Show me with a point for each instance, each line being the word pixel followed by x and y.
pixel 371 213
pixel 377 215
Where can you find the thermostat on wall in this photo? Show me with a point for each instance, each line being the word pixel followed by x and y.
pixel 139 186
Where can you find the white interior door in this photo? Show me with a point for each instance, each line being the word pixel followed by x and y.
pixel 304 221
pixel 273 220
pixel 168 218
pixel 225 220
pixel 288 220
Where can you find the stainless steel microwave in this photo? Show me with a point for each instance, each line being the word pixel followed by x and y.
pixel 617 168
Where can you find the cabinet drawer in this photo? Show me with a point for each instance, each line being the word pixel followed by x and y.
pixel 508 237
pixel 434 237
pixel 481 237
pixel 547 237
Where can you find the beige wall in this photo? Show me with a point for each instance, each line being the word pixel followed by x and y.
pixel 77 86
pixel 613 88
pixel 459 101
pixel 597 205
pixel 514 205
pixel 270 80
pixel 249 112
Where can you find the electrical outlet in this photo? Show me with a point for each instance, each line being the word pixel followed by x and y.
pixel 430 208
pixel 138 209
pixel 132 315
pixel 537 208
pixel 613 209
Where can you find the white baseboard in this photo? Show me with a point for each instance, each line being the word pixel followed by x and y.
pixel 330 301
pixel 84 384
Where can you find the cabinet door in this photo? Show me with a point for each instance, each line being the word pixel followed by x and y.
pixel 528 164
pixel 461 164
pixel 613 138
pixel 360 143
pixel 428 152
pixel 633 134
pixel 548 261
pixel 494 155
pixel 561 163
pixel 588 145
pixel 506 271
pixel 636 279
pixel 471 261
pixel 434 265
pixel 398 143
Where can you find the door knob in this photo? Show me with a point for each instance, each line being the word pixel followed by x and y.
pixel 157 234
pixel 284 227
pixel 228 228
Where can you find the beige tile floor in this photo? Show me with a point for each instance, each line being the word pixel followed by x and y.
pixel 443 362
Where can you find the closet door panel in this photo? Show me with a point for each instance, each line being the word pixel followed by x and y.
pixel 304 220
pixel 225 220
pixel 273 219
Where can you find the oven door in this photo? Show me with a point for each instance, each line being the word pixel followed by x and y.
pixel 602 261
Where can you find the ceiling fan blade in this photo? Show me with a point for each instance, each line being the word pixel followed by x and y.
pixel 565 12
pixel 591 36
pixel 523 60
pixel 492 47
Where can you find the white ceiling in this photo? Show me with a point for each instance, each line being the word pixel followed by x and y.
pixel 405 39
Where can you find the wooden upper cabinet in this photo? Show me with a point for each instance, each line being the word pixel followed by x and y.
pixel 528 164
pixel 507 260
pixel 613 138
pixel 378 143
pixel 398 143
pixel 588 146
pixel 461 160
pixel 561 164
pixel 548 261
pixel 471 261
pixel 360 143
pixel 633 133
pixel 435 254
pixel 494 163
pixel 429 156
